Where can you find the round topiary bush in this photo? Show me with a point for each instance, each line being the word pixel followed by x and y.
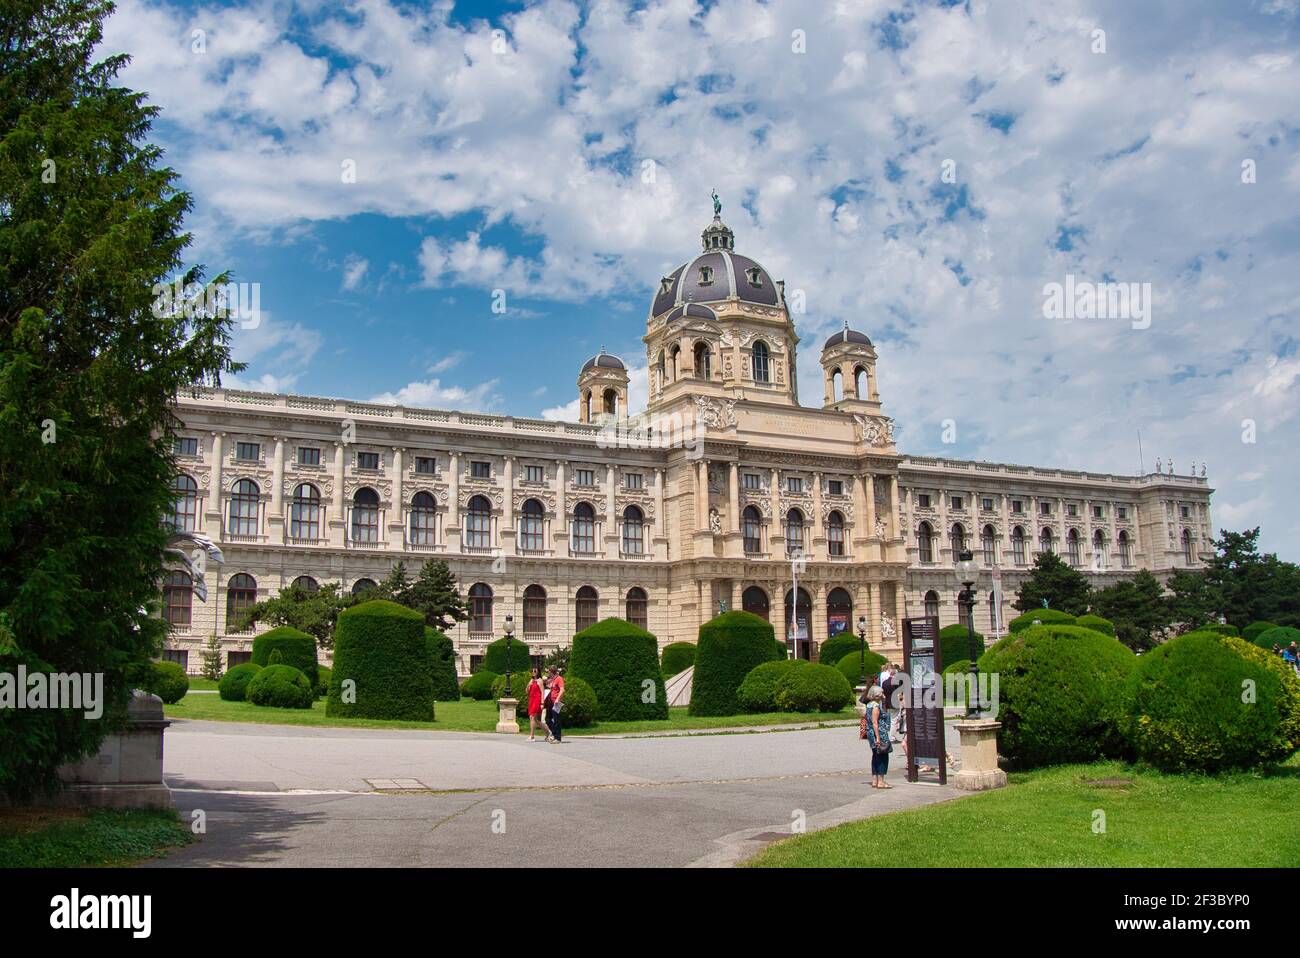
pixel 959 668
pixel 281 687
pixel 167 680
pixel 234 684
pixel 620 662
pixel 1061 694
pixel 495 657
pixel 296 648
pixel 442 664
pixel 677 657
pixel 813 688
pixel 1096 623
pixel 1253 631
pixel 479 685
pixel 729 648
pixel 1282 635
pixel 1219 628
pixel 323 674
pixel 954 644
pixel 850 666
pixel 780 651
pixel 379 646
pixel 580 703
pixel 1206 702
pixel 836 647
pixel 1044 617
pixel 758 692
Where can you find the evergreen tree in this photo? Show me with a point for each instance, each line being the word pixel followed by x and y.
pixel 1065 589
pixel 435 596
pixel 314 612
pixel 395 585
pixel 90 223
pixel 1138 609
pixel 212 659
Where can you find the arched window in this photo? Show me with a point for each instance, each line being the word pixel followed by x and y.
pixel 751 528
pixel 964 614
pixel 794 532
pixel 478 523
pixel 932 603
pixel 586 406
pixel 480 608
pixel 304 512
pixel 243 508
pixel 835 533
pixel 586 606
pixel 424 519
pixel 633 531
pixel 1072 547
pixel 754 600
pixel 178 599
pixel 993 617
pixel 1187 546
pixel 675 358
pixel 860 382
pixel 797 621
pixel 530 526
pixel 534 611
pixel 241 593
pixel 924 542
pixel 1099 549
pixel 362 586
pixel 837 386
pixel 1125 550
pixel 1045 540
pixel 703 361
pixel 662 368
pixel 611 402
pixel 839 612
pixel 637 606
pixel 1018 545
pixel 988 545
pixel 957 538
pixel 584 528
pixel 185 504
pixel 306 583
pixel 365 516
pixel 762 363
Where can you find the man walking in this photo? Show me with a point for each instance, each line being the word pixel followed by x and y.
pixel 554 704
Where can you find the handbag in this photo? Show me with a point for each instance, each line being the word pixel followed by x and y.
pixel 862 728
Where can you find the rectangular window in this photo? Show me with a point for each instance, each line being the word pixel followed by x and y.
pixel 1184 511
pixel 957 502
pixel 1044 508
pixel 308 456
pixel 923 501
pixel 426 465
pixel 248 451
pixel 986 504
pixel 368 460
pixel 534 473
pixel 180 656
pixel 752 481
pixel 584 477
pixel 237 658
pixel 186 446
pixel 634 480
pixel 1121 512
pixel 1097 512
pixel 794 484
pixel 1071 510
pixel 835 487
pixel 480 470
pixel 1017 506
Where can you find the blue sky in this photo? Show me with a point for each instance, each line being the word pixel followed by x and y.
pixel 921 169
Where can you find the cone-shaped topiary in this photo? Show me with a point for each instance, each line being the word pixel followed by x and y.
pixel 495 657
pixel 850 666
pixel 479 685
pixel 442 664
pixel 282 687
pixel 758 692
pixel 234 684
pixel 379 647
pixel 729 648
pixel 1043 616
pixel 167 680
pixel 620 662
pixel 837 646
pixel 1096 623
pixel 954 644
pixel 296 648
pixel 814 688
pixel 677 657
pixel 1253 631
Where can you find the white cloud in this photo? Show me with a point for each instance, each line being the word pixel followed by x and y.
pixel 432 393
pixel 354 271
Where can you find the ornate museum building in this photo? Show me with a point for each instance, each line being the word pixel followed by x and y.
pixel 725 491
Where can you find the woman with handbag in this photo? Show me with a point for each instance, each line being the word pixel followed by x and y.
pixel 876 723
pixel 535 706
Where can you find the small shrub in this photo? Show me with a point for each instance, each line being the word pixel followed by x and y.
pixel 442 664
pixel 813 688
pixel 167 680
pixel 729 648
pixel 234 684
pixel 281 687
pixel 323 680
pixel 677 657
pixel 1282 635
pixel 380 646
pixel 296 648
pixel 758 692
pixel 617 659
pixel 850 666
pixel 954 644
pixel 518 690
pixel 1251 632
pixel 479 685
pixel 580 704
pixel 836 647
pixel 1096 623
pixel 1044 617
pixel 495 656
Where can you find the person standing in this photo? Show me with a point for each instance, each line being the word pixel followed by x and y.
pixel 878 736
pixel 554 704
pixel 534 695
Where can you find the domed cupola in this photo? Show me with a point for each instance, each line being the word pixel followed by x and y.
pixel 849 371
pixel 602 388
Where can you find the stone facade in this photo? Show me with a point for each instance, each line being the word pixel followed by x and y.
pixel 720 493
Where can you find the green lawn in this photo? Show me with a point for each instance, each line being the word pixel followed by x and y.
pixel 468 715
pixel 199 682
pixel 1046 819
pixel 71 838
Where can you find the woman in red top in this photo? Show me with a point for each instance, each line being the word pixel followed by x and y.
pixel 534 704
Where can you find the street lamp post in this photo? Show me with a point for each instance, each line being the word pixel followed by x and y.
pixel 862 634
pixel 510 634
pixel 967 573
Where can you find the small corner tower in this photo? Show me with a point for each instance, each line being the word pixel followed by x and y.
pixel 602 388
pixel 849 372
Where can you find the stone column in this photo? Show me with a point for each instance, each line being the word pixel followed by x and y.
pixel 733 497
pixel 212 507
pixel 277 479
pixel 736 595
pixel 561 534
pixel 869 512
pixel 661 519
pixel 338 515
pixel 815 536
pixel 397 517
pixel 776 531
pixel 894 530
pixel 508 531
pixel 452 528
pixel 611 518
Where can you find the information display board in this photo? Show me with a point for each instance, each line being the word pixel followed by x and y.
pixel 923 663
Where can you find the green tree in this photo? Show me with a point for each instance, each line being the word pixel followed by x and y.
pixel 1138 608
pixel 90 223
pixel 314 612
pixel 212 659
pixel 394 585
pixel 435 596
pixel 1064 588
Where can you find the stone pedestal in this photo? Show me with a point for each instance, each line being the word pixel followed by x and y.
pixel 979 756
pixel 506 723
pixel 127 772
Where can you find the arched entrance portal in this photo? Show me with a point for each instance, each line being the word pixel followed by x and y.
pixel 754 600
pixel 839 612
pixel 797 622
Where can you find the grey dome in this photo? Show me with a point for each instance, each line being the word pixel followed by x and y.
pixel 604 360
pixel 691 310
pixel 719 273
pixel 847 335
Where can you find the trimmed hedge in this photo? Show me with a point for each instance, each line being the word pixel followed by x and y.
pixel 1044 616
pixel 580 704
pixel 780 651
pixel 479 685
pixel 850 666
pixel 380 646
pixel 495 657
pixel 758 692
pixel 677 657
pixel 1061 694
pixel 954 644
pixel 1219 629
pixel 1251 632
pixel 323 674
pixel 442 665
pixel 837 646
pixel 813 688
pixel 617 659
pixel 729 648
pixel 234 684
pixel 167 680
pixel 1188 713
pixel 1096 623
pixel 296 648
pixel 960 667
pixel 1282 635
pixel 281 687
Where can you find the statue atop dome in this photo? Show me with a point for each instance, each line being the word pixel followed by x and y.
pixel 717 204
